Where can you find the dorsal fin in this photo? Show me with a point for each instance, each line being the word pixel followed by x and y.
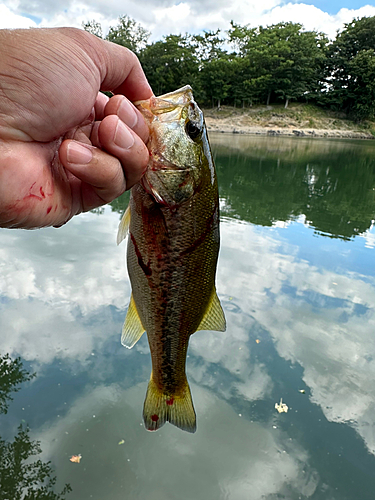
pixel 123 226
pixel 133 329
pixel 213 318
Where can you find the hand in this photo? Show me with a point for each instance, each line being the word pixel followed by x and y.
pixel 65 147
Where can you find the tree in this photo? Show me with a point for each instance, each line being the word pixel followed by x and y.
pixel 129 33
pixel 362 88
pixel 94 28
pixel 20 477
pixel 350 69
pixel 216 78
pixel 283 60
pixel 208 47
pixel 171 63
pixel 11 375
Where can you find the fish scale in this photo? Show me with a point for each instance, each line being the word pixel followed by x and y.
pixel 173 221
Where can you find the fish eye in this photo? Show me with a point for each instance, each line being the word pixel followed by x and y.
pixel 192 130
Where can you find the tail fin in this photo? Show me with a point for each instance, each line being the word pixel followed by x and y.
pixel 160 408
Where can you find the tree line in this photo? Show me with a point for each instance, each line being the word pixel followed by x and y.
pixel 246 66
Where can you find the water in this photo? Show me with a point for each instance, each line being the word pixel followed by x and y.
pixel 296 280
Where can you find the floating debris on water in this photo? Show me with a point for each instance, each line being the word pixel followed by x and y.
pixel 75 459
pixel 281 407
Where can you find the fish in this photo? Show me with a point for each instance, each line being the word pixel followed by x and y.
pixel 173 225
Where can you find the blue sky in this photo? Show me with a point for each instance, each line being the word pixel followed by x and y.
pixel 334 6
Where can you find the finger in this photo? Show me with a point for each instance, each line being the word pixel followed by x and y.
pixel 120 141
pixel 129 114
pixel 100 104
pixel 101 175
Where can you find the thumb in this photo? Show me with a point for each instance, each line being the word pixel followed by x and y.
pixel 97 177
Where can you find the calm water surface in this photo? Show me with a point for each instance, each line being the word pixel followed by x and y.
pixel 296 277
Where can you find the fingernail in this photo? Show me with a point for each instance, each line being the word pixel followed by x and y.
pixel 79 154
pixel 127 114
pixel 123 137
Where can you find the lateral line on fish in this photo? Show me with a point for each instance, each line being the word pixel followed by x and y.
pixel 202 237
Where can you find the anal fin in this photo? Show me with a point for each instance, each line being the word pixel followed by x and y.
pixel 213 318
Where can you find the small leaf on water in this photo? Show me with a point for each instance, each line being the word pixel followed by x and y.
pixel 75 459
pixel 121 442
pixel 281 407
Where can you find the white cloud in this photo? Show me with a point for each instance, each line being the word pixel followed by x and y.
pixel 334 344
pixel 169 16
pixel 9 19
pixel 51 285
pixel 54 282
pixel 239 458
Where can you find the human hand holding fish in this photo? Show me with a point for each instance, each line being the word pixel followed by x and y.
pixel 66 148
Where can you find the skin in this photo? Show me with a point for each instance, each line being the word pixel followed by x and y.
pixel 65 148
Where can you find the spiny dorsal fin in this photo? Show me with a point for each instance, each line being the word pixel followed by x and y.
pixel 124 226
pixel 213 318
pixel 177 409
pixel 133 329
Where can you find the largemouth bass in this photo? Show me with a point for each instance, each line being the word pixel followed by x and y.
pixel 173 222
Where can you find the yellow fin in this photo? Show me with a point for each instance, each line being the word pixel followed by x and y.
pixel 213 318
pixel 124 226
pixel 133 329
pixel 176 409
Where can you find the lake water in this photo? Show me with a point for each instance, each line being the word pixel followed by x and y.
pixel 296 278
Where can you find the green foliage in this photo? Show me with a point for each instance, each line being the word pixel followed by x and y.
pixel 208 47
pixel 350 69
pixel 129 34
pixel 11 375
pixel 278 185
pixel 94 28
pixel 282 62
pixel 170 63
pixel 20 477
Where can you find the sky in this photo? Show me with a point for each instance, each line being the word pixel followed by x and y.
pixel 163 17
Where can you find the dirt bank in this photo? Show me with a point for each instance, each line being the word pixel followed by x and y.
pixel 298 120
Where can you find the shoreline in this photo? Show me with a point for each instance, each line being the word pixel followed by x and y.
pixel 214 125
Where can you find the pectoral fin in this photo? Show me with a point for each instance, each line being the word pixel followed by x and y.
pixel 213 318
pixel 124 226
pixel 133 329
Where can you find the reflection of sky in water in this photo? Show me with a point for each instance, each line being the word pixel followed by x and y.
pixel 309 301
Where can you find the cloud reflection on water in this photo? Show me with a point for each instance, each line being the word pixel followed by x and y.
pixel 318 318
pixel 53 280
pixel 56 286
pixel 250 461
